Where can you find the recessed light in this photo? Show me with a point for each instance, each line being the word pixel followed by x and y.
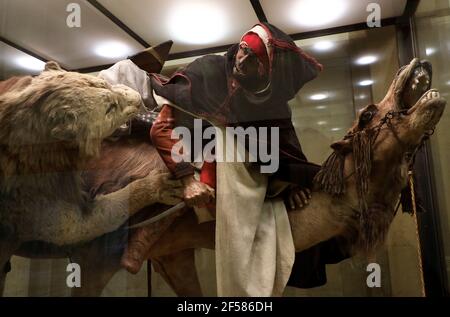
pixel 366 60
pixel 321 107
pixel 336 129
pixel 30 63
pixel 361 96
pixel 112 50
pixel 199 22
pixel 321 122
pixel 323 46
pixel 366 82
pixel 318 97
pixel 317 12
pixel 430 51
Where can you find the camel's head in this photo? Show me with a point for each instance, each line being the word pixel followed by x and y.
pixel 370 164
pixel 68 108
pixel 411 109
pixel 420 106
pixel 395 127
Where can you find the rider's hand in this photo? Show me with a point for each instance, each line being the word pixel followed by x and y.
pixel 197 193
pixel 298 197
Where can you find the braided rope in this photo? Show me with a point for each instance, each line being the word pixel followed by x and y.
pixel 419 247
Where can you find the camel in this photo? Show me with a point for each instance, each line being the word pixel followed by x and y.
pixel 354 197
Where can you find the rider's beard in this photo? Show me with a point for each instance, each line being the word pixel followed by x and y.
pixel 253 83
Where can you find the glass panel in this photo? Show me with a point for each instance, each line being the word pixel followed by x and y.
pixel 322 112
pixel 433 35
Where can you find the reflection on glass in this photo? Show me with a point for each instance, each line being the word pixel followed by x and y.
pixel 433 35
pixel 366 60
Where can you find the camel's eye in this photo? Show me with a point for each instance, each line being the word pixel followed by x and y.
pixel 112 107
pixel 367 115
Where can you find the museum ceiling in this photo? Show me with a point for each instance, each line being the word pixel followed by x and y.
pixel 110 30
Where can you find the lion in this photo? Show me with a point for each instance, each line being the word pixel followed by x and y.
pixel 51 126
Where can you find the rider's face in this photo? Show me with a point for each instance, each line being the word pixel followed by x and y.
pixel 246 62
pixel 247 68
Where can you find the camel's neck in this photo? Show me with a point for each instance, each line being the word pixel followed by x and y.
pixel 320 220
pixel 327 216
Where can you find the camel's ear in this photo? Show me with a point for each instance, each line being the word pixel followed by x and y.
pixel 342 146
pixel 52 66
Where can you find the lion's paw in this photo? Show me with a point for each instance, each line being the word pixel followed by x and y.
pixel 169 191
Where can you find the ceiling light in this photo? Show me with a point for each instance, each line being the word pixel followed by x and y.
pixel 366 82
pixel 361 97
pixel 366 60
pixel 323 46
pixel 318 97
pixel 336 129
pixel 317 12
pixel 321 107
pixel 201 22
pixel 112 50
pixel 448 83
pixel 30 63
pixel 430 51
pixel 321 122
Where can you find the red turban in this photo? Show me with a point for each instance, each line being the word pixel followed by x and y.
pixel 256 44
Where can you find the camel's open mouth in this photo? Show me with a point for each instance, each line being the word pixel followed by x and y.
pixel 428 109
pixel 416 82
pixel 415 94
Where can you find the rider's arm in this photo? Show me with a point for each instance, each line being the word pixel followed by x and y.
pixel 160 134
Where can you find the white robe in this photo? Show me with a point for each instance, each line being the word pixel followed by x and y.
pixel 254 246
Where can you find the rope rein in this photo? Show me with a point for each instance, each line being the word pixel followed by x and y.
pixel 386 120
pixel 372 220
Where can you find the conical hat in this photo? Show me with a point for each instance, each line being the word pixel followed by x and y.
pixel 153 58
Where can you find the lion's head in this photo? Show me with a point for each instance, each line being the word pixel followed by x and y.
pixel 67 110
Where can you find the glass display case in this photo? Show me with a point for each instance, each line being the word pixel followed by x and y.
pixel 359 64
